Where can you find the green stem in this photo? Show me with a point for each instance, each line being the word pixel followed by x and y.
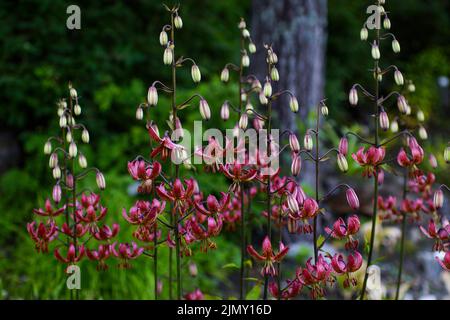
pixel 402 242
pixel 242 293
pixel 316 162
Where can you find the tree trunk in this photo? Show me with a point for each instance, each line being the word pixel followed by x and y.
pixel 297 31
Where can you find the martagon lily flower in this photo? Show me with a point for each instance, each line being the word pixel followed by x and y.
pixel 238 173
pixel 100 255
pixel 440 235
pixel 268 256
pixel 165 145
pixel 178 194
pixel 72 256
pixel 126 252
pixel 342 230
pixel 48 211
pixel 354 263
pixel 370 159
pixel 140 171
pixel 213 206
pixel 445 262
pixel 42 234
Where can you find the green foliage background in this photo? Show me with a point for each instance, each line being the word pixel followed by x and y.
pixel 111 61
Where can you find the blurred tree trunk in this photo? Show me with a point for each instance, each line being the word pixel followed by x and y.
pixel 297 31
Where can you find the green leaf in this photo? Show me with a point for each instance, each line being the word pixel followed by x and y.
pixel 248 263
pixel 254 293
pixel 320 241
pixel 230 266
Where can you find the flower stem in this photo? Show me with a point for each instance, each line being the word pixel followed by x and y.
pixel 316 162
pixel 402 242
pixel 242 293
pixel 155 260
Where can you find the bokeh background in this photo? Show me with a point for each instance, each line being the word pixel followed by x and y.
pixel 115 57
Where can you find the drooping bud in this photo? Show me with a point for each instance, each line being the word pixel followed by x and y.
pixel 245 60
pixel 402 104
pixel 53 160
pixel 242 24
pixel 243 121
pixel 69 181
pixel 245 33
pixel 193 269
pixel 398 78
pixel 73 150
pixel 224 75
pixel 243 96
pixel 353 96
pixel 249 108
pixel 262 98
pixel 342 162
pixel 82 161
pixel 308 142
pixel 73 93
pixel 296 165
pixel 387 23
pixel 352 199
pixel 85 136
pixel 63 121
pixel 100 179
pixel 69 136
pixel 195 73
pixel 267 89
pixel 56 193
pixel 395 46
pixel 384 120
pixel 324 110
pixel 420 116
pixel 411 87
pixel 272 57
pixel 274 75
pixel 258 124
pixel 251 47
pixel 423 133
pixel 205 112
pixel 438 199
pixel 56 173
pixel 77 109
pixel 292 203
pixel 225 111
pixel 293 142
pixel 178 22
pixel 256 85
pixel 168 56
pixel 375 51
pixel 139 113
pixel 343 146
pixel 163 38
pixel 433 161
pixel 152 96
pixel 48 147
pixel 447 155
pixel 364 34
pixel 293 104
pixel 394 126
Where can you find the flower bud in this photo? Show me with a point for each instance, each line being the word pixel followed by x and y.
pixel 353 96
pixel 258 124
pixel 243 121
pixel 71 120
pixel 178 22
pixel 342 162
pixel 63 121
pixel 245 60
pixel 395 46
pixel 73 93
pixel 73 150
pixel 447 155
pixel 398 78
pixel 420 116
pixel 60 112
pixel 56 173
pixel 100 179
pixel 293 104
pixel 69 137
pixel 243 96
pixel 274 75
pixel 375 51
pixel 292 203
pixel 152 96
pixel 225 75
pixel 82 161
pixel 308 142
pixel 433 161
pixel 251 47
pixel 343 146
pixel 69 181
pixel 168 56
pixel 249 108
pixel 193 269
pixel 267 89
pixel 56 193
pixel 195 73
pixel 225 111
pixel 423 133
pixel 205 112
pixel 402 104
pixel 293 142
pixel 438 199
pixel 272 57
pixel 85 136
pixel 262 98
pixel 387 23
pixel 47 147
pixel 394 126
pixel 384 120
pixel 242 24
pixel 256 85
pixel 324 110
pixel 53 160
pixel 411 87
pixel 245 33
pixel 364 34
pixel 139 113
pixel 296 164
pixel 163 38
pixel 352 199
pixel 77 109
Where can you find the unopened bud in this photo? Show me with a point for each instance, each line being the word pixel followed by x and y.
pixel 308 142
pixel 395 46
pixel 63 121
pixel 168 56
pixel 163 38
pixel 262 98
pixel 47 147
pixel 245 33
pixel 85 136
pixel 343 146
pixel 152 96
pixel 100 179
pixel 243 121
pixel 364 34
pixel 296 164
pixel 193 269
pixel 249 108
pixel 402 104
pixel 352 199
pixel 224 75
pixel 398 78
pixel 205 112
pixel 293 142
pixel 267 89
pixel 394 126
pixel 293 104
pixel 56 173
pixel 423 133
pixel 438 199
pixel 387 23
pixel 420 116
pixel 53 160
pixel 73 93
pixel 69 137
pixel 251 47
pixel 353 96
pixel 245 60
pixel 139 113
pixel 178 22
pixel 195 73
pixel 77 109
pixel 375 51
pixel 292 203
pixel 82 161
pixel 342 162
pixel 324 110
pixel 56 193
pixel 384 120
pixel 242 24
pixel 447 154
pixel 411 87
pixel 433 161
pixel 225 111
pixel 272 57
pixel 73 150
pixel 274 74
